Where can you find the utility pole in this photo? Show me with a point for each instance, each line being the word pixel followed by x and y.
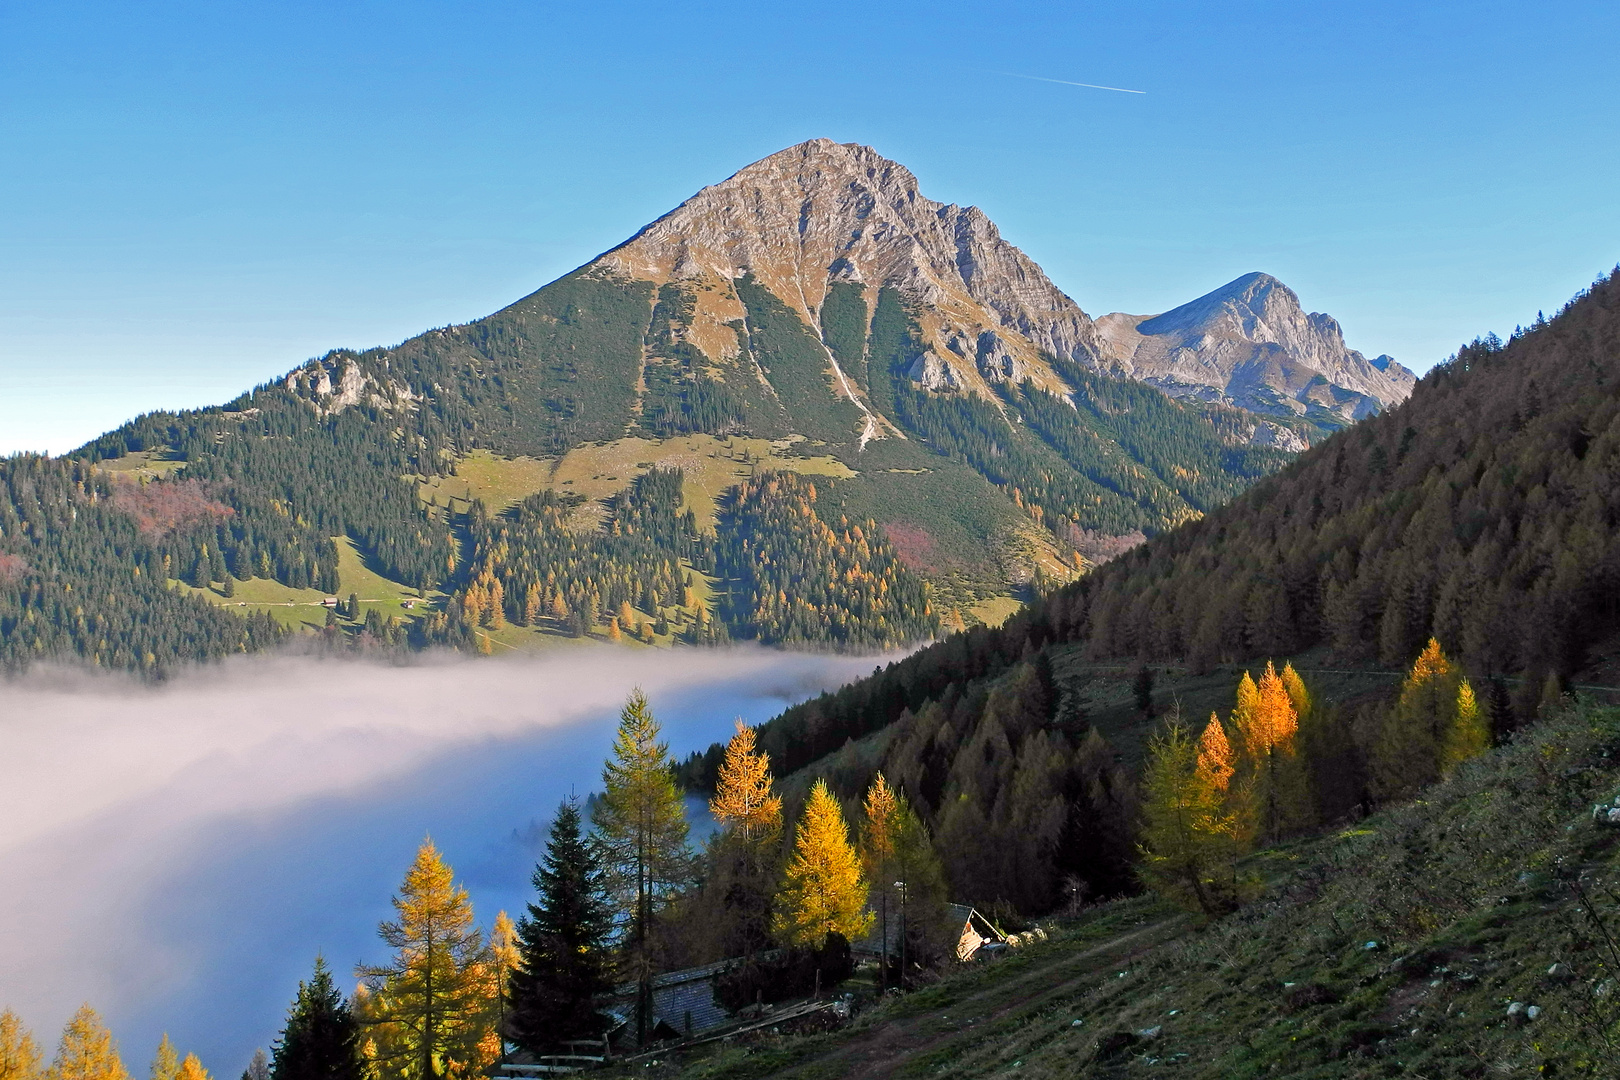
pixel 902 887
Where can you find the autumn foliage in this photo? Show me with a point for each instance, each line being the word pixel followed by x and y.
pixel 823 890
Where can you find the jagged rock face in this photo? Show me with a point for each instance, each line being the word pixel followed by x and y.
pixel 313 382
pixel 823 211
pixel 1250 343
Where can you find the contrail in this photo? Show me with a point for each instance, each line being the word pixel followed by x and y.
pixel 1066 82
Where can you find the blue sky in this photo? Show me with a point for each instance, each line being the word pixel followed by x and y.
pixel 195 197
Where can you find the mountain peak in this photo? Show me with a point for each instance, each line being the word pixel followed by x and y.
pixel 1247 297
pixel 821 212
pixel 1253 343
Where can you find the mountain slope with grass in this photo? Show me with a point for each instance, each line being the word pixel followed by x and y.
pixel 1474 525
pixel 812 315
pixel 1473 932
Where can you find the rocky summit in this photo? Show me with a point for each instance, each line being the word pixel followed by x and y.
pixel 822 212
pixel 1250 343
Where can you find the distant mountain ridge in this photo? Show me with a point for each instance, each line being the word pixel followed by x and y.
pixel 965 428
pixel 1250 344
pixel 823 212
pixel 822 215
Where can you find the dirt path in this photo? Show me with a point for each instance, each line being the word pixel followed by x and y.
pixel 885 1049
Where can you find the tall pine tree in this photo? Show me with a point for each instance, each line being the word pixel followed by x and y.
pixel 563 960
pixel 641 823
pixel 321 1040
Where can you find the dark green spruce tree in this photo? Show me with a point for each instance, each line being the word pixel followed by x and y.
pixel 321 1040
pixel 562 943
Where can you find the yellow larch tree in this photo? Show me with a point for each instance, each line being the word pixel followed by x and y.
pixel 1189 844
pixel 1469 733
pixel 743 797
pixel 166 1062
pixel 1275 722
pixel 500 958
pixel 877 830
pixel 745 855
pixel 191 1068
pixel 1215 758
pixel 1431 664
pixel 1298 696
pixel 428 999
pixel 1248 706
pixel 1280 798
pixel 87 1051
pixel 1409 750
pixel 823 891
pixel 19 1054
pixel 906 882
pixel 496 604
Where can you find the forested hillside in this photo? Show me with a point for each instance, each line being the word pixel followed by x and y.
pixel 259 489
pixel 1481 513
pixel 77 577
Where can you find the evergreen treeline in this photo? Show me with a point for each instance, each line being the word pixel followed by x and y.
pixel 263 489
pixel 1482 512
pixel 795 579
pixel 292 479
pixel 532 566
pixel 77 578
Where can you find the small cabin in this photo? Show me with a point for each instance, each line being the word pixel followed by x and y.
pixel 683 1004
pixel 961 928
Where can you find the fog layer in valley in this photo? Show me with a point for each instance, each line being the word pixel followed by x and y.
pixel 177 855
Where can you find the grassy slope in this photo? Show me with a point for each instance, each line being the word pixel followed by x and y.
pixel 970 542
pixel 1468 893
pixel 302 607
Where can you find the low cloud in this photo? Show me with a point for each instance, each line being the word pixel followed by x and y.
pixel 176 855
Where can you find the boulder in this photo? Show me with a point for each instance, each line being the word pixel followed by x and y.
pixel 1115 1043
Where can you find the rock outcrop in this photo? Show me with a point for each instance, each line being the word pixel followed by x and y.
pixel 1250 343
pixel 822 212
